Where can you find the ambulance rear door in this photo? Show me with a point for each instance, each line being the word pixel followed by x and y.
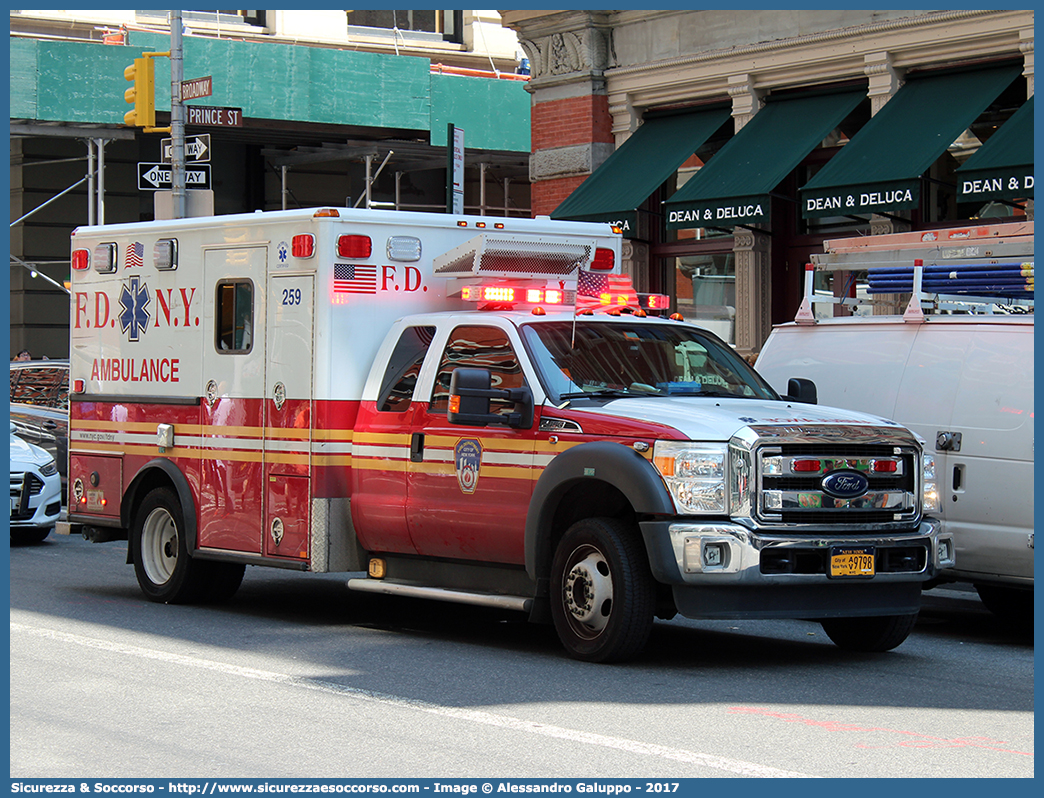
pixel 288 415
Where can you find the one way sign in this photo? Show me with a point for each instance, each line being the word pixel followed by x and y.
pixel 197 148
pixel 157 176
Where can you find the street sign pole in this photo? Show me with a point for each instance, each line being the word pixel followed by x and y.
pixel 177 117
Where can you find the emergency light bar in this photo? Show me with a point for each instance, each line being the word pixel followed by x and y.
pixel 523 295
pixel 513 294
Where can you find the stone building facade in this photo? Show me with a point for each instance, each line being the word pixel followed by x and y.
pixel 599 77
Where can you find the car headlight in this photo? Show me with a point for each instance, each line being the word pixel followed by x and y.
pixel 930 487
pixel 49 468
pixel 695 474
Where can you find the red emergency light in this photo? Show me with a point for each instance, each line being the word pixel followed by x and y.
pixel 807 466
pixel 81 259
pixel 354 246
pixel 303 245
pixel 604 260
pixel 504 293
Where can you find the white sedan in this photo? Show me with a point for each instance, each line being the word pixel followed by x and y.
pixel 36 492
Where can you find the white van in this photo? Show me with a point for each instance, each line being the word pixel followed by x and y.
pixel 965 385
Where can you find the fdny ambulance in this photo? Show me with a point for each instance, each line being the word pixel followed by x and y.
pixel 414 398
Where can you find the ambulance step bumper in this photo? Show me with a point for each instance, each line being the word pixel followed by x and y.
pixel 520 603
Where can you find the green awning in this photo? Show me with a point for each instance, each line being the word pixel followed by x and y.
pixel 734 187
pixel 880 169
pixel 1003 166
pixel 614 191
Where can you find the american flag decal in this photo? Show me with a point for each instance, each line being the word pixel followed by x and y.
pixel 135 255
pixel 352 279
pixel 604 292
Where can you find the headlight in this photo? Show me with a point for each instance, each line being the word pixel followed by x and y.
pixel 930 491
pixel 695 475
pixel 49 468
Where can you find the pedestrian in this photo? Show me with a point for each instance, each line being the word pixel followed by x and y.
pixel 23 355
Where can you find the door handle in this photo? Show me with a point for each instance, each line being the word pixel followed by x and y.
pixel 417 447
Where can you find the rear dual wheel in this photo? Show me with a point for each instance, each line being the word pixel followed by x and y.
pixel 602 593
pixel 165 571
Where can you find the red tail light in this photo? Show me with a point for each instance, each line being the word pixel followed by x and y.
pixel 604 260
pixel 354 246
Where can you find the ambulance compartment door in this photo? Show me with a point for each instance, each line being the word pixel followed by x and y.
pixel 288 416
pixel 232 412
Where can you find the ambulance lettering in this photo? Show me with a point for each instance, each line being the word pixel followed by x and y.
pixel 129 369
pixel 168 303
pixel 411 279
pixel 134 303
pixel 101 310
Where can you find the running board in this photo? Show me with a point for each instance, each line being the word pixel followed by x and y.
pixel 520 603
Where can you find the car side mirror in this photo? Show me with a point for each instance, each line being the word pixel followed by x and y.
pixel 801 390
pixel 470 393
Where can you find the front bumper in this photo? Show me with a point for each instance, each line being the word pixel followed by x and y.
pixel 724 570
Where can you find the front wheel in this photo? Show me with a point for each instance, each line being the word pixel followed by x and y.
pixel 602 594
pixel 881 633
pixel 165 571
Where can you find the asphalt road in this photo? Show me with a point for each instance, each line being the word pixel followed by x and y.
pixel 298 677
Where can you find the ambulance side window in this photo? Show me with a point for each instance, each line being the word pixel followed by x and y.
pixel 235 316
pixel 404 365
pixel 484 348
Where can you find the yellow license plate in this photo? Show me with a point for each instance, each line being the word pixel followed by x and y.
pixel 848 561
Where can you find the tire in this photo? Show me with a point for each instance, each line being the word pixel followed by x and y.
pixel 602 593
pixel 28 536
pixel 165 571
pixel 880 633
pixel 223 580
pixel 1009 603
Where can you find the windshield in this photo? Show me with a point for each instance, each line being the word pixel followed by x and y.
pixel 611 359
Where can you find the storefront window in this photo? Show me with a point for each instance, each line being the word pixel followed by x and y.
pixel 705 291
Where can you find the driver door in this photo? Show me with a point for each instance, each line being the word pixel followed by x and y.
pixel 468 488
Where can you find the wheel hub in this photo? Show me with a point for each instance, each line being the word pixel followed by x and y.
pixel 589 592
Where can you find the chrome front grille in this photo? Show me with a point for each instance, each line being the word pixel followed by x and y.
pixel 825 484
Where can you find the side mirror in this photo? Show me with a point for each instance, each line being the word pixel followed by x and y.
pixel 801 390
pixel 470 393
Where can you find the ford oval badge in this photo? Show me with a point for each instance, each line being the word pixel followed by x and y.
pixel 845 484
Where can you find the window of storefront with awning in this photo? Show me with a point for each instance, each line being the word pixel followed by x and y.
pixel 1002 169
pixel 736 186
pixel 880 170
pixel 616 190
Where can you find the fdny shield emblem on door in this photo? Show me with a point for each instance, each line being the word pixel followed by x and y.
pixel 467 456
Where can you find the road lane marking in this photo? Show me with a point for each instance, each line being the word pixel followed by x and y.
pixel 734 766
pixel 912 739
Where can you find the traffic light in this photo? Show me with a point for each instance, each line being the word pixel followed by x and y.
pixel 142 95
